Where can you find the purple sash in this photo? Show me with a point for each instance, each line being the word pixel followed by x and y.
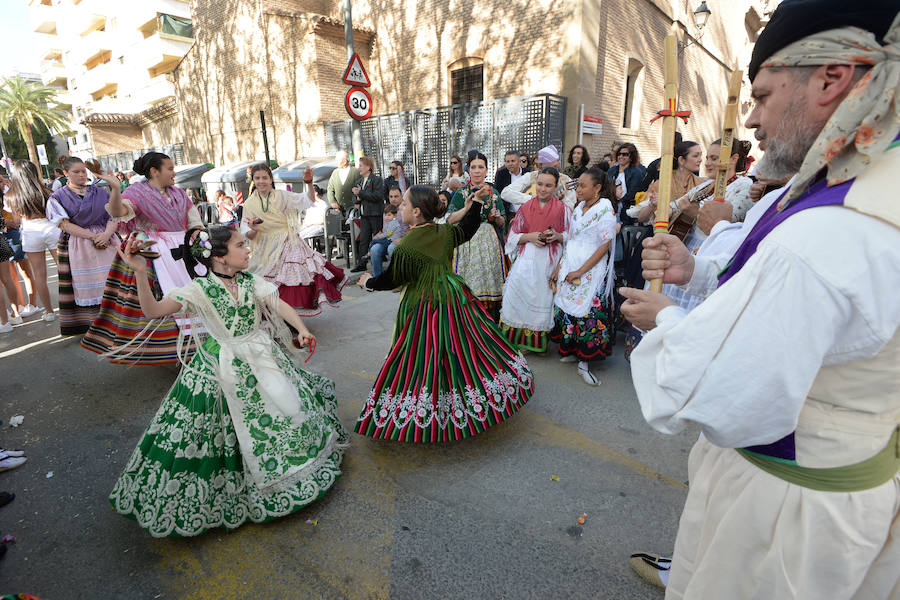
pixel 84 212
pixel 816 195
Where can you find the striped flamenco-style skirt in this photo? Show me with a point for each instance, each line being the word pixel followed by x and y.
pixel 82 274
pixel 121 320
pixel 450 374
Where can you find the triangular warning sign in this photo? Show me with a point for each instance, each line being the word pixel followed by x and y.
pixel 356 73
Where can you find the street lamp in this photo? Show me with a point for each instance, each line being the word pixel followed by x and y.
pixel 701 15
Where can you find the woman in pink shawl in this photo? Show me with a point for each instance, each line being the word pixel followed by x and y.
pixel 156 210
pixel 535 243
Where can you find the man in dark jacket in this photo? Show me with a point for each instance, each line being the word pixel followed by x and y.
pixel 369 194
pixel 511 170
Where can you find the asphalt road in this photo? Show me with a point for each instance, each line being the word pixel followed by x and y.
pixel 482 518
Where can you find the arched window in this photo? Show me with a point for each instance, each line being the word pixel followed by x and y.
pixel 466 80
pixel 633 80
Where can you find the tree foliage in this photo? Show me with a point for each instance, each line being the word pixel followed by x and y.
pixel 24 104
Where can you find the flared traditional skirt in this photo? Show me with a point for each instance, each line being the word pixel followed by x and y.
pixel 83 270
pixel 187 474
pixel 450 374
pixel 121 320
pixel 305 280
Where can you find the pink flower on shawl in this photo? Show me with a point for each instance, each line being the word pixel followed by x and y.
pixel 835 147
pixel 865 135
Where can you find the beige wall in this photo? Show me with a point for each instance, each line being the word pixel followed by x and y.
pixel 163 132
pixel 288 56
pixel 109 139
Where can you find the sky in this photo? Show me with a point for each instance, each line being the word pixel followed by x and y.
pixel 17 43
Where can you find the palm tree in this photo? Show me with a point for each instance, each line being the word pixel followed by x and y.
pixel 24 103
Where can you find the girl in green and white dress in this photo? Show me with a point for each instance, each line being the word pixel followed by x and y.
pixel 244 433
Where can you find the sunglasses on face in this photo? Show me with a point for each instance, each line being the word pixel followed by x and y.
pixel 393 168
pixel 624 153
pixel 454 162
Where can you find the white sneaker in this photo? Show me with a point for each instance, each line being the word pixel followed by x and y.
pixel 48 317
pixel 12 462
pixel 568 359
pixel 586 374
pixel 6 328
pixel 15 320
pixel 4 453
pixel 29 310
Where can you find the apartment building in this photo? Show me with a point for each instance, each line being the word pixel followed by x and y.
pixel 110 60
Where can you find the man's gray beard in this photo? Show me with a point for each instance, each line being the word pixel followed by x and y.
pixel 788 146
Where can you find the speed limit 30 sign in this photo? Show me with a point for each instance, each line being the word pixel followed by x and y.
pixel 358 103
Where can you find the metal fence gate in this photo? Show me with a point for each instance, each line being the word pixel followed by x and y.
pixel 425 139
pixel 124 161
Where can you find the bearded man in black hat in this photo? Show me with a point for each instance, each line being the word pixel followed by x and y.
pixel 791 366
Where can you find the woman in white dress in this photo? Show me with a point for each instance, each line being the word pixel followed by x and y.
pixel 583 305
pixel 535 244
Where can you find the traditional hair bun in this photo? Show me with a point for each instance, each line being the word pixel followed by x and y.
pixel 151 160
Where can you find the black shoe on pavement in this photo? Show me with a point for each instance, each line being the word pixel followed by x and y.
pixel 358 268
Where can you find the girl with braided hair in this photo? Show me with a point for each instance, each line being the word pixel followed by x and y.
pixel 244 433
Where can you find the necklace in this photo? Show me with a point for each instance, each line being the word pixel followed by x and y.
pixel 264 202
pixel 80 190
pixel 229 282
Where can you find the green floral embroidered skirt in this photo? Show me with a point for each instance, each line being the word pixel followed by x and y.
pixel 187 474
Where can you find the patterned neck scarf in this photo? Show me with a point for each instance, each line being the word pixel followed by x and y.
pixel 868 119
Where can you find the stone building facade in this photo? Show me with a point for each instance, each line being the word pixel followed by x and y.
pixel 286 57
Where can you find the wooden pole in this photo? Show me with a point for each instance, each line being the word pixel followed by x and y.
pixel 728 125
pixel 664 198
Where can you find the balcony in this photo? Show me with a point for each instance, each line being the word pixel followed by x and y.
pixel 64 99
pixel 156 91
pixel 159 53
pixel 48 46
pixel 42 16
pixel 143 16
pixel 88 16
pixel 99 82
pixel 94 49
pixel 53 73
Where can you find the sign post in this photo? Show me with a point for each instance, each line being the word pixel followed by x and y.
pixel 355 130
pixel 592 125
pixel 42 158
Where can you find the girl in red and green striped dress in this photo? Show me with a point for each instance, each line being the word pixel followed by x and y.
pixel 450 373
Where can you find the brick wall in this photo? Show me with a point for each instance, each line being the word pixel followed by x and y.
pixel 221 83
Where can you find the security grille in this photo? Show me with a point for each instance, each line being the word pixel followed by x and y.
pixel 425 139
pixel 124 161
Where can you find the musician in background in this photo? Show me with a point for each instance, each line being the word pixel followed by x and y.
pixel 737 192
pixel 524 189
